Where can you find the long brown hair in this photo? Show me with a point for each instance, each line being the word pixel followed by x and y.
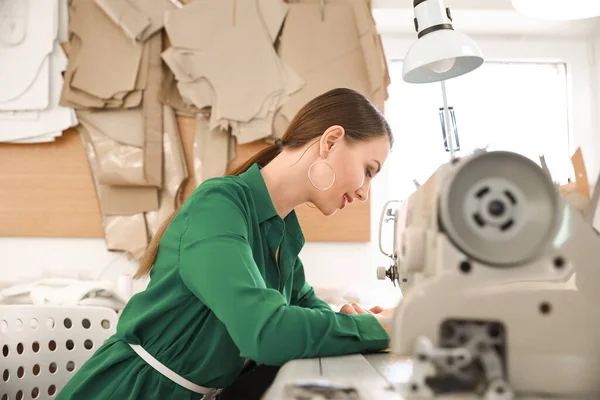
pixel 345 107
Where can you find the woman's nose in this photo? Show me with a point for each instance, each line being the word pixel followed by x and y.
pixel 363 193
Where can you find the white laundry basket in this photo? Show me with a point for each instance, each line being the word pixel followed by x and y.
pixel 41 347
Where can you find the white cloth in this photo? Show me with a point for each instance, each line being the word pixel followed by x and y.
pixel 64 292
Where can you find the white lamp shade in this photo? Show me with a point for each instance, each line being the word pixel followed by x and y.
pixel 558 10
pixel 441 55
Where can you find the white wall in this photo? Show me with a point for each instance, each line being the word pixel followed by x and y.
pixel 335 265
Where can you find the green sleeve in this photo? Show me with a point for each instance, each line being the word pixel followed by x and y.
pixel 217 265
pixel 303 294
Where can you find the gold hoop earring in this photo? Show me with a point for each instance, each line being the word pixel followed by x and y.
pixel 322 160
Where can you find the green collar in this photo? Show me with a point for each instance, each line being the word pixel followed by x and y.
pixel 265 209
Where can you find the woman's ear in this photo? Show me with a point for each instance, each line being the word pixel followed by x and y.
pixel 330 138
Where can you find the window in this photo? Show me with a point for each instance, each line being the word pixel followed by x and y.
pixel 514 106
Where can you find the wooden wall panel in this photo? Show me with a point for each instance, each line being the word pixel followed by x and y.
pixel 46 190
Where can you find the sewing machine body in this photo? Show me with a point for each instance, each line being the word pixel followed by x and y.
pixel 524 310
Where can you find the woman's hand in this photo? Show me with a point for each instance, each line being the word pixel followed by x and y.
pixel 383 316
pixel 355 308
pixel 376 310
pixel 387 313
pixel 385 322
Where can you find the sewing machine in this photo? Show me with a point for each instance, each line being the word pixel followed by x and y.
pixel 500 286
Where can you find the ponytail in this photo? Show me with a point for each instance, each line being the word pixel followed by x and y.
pixel 261 158
pixel 149 256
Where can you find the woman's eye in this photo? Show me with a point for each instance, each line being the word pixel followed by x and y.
pixel 368 173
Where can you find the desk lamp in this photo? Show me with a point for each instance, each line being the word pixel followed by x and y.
pixel 440 52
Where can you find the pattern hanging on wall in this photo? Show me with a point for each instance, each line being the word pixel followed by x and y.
pixel 160 109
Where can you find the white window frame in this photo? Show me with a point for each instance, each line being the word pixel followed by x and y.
pixel 576 54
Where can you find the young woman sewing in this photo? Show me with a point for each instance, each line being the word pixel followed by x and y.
pixel 226 283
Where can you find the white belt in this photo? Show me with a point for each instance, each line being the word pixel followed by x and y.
pixel 207 393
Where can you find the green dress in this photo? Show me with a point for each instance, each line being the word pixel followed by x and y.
pixel 217 296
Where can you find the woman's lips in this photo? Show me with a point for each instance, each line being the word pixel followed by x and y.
pixel 345 200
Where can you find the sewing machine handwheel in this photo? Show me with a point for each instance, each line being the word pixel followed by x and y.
pixel 499 208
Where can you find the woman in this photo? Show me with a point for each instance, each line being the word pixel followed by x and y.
pixel 226 282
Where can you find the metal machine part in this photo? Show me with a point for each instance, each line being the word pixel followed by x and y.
pixel 500 208
pixel 471 358
pixel 501 271
pixel 399 217
pixel 388 214
pixel 323 390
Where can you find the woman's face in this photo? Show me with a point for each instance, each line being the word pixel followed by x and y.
pixel 355 165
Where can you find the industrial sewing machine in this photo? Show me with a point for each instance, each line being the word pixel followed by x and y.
pixel 500 284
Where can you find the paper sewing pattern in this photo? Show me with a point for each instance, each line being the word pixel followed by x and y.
pixel 139 19
pixel 237 61
pixel 31 72
pixel 341 50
